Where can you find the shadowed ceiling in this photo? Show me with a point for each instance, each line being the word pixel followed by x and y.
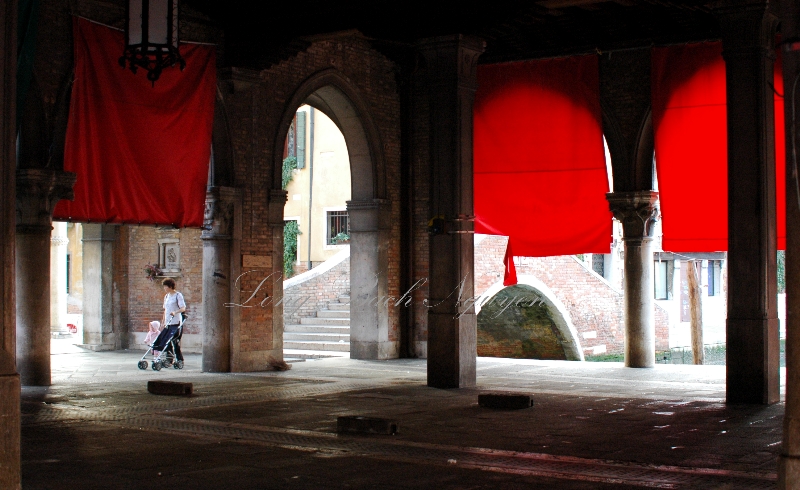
pixel 512 29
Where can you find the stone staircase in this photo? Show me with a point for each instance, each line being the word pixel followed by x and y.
pixel 325 335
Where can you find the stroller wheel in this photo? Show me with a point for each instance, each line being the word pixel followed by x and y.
pixel 142 364
pixel 167 363
pixel 178 364
pixel 156 365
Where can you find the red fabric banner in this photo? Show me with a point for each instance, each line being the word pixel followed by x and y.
pixel 689 120
pixel 510 274
pixel 141 151
pixel 539 164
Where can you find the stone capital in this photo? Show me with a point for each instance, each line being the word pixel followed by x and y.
pixel 746 26
pixel 38 192
pixel 452 59
pixel 369 215
pixel 637 211
pixel 277 201
pixel 218 217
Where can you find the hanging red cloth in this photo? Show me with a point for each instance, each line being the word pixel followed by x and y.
pixel 539 165
pixel 510 275
pixel 689 120
pixel 140 150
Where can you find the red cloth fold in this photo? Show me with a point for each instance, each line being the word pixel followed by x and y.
pixel 539 163
pixel 510 275
pixel 141 150
pixel 690 124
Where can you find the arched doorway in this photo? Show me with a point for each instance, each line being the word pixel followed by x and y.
pixel 367 209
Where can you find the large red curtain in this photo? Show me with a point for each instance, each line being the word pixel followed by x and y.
pixel 539 164
pixel 689 115
pixel 140 150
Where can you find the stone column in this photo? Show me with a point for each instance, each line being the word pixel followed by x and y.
pixel 98 301
pixel 789 467
pixel 451 81
pixel 10 469
pixel 369 289
pixel 753 351
pixel 58 279
pixel 637 211
pixel 217 236
pixel 38 191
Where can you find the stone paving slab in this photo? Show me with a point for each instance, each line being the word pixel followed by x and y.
pixel 593 425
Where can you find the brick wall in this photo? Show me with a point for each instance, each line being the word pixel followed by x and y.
pixel 305 294
pixel 595 308
pixel 420 149
pixel 145 298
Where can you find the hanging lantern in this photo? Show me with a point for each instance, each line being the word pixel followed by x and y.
pixel 152 37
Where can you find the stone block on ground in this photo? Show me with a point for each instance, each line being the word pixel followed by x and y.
pixel 365 425
pixel 174 388
pixel 508 401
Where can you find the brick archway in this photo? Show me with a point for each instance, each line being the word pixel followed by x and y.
pixel 558 312
pixel 331 92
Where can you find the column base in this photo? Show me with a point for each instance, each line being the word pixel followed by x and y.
pixel 10 469
pixel 753 361
pixel 788 472
pixel 374 350
pixel 97 347
pixel 421 349
pixel 452 350
pixel 255 361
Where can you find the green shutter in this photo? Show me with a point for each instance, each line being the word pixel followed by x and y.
pixel 301 139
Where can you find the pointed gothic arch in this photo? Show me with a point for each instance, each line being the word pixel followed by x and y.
pixel 332 93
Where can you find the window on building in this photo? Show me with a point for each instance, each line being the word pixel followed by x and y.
pixel 714 277
pixel 598 264
pixel 338 228
pixel 662 278
pixel 69 271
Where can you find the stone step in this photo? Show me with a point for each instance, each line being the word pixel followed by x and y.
pixel 301 354
pixel 325 321
pixel 345 299
pixel 317 345
pixel 325 337
pixel 339 306
pixel 333 314
pixel 344 330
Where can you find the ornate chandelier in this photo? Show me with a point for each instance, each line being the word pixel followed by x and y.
pixel 151 36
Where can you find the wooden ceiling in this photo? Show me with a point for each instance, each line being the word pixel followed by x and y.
pixel 512 29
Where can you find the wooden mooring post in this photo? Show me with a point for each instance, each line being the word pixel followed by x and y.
pixel 696 310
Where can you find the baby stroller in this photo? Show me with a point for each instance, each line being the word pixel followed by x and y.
pixel 166 348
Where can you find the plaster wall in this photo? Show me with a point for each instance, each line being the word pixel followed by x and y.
pixel 331 188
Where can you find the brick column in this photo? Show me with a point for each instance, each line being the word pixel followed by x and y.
pixel 637 211
pixel 789 468
pixel 38 191
pixel 748 34
pixel 10 470
pixel 217 235
pixel 451 81
pixel 277 201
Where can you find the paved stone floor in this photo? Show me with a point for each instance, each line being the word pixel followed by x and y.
pixel 593 426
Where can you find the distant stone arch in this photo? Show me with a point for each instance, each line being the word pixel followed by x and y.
pixel 528 291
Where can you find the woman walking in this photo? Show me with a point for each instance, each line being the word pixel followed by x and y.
pixel 174 307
